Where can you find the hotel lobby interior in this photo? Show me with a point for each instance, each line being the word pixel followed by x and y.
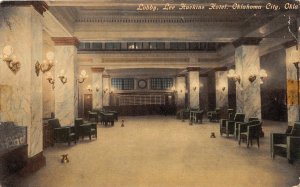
pixel 149 93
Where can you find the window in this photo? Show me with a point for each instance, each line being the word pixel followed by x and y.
pixel 113 46
pixel 178 45
pixel 122 83
pixel 135 45
pixel 161 83
pixel 97 45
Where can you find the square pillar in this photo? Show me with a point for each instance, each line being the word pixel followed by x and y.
pixel 247 63
pixel 180 90
pixel 292 56
pixel 65 93
pixel 193 87
pixel 221 88
pixel 106 90
pixel 21 98
pixel 97 87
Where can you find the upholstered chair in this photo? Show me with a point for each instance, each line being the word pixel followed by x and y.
pixel 287 144
pixel 228 127
pixel 62 134
pixel 85 129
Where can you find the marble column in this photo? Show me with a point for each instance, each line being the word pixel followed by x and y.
pixel 106 90
pixel 292 55
pixel 193 87
pixel 180 90
pixel 65 93
pixel 221 88
pixel 247 63
pixel 97 87
pixel 21 98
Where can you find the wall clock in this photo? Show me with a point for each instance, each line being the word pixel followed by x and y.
pixel 142 84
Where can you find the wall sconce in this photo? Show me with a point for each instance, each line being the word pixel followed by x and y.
pixel 50 79
pixel 105 90
pixel 63 77
pixel 97 89
pixel 195 88
pixel 11 60
pixel 223 88
pixel 46 65
pixel 252 78
pixel 263 74
pixel 89 88
pixel 83 75
pixel 232 75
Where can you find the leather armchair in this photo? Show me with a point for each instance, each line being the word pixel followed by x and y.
pixel 228 127
pixel 107 118
pixel 287 144
pixel 85 129
pixel 249 131
pixel 62 134
pixel 214 116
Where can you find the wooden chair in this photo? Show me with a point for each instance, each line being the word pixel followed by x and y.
pixel 249 131
pixel 228 127
pixel 287 144
pixel 85 129
pixel 62 134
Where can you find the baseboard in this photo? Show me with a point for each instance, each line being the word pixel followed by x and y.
pixel 34 164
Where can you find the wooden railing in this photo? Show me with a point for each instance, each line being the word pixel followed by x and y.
pixel 127 100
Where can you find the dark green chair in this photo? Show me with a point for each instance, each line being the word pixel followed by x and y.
pixel 249 131
pixel 107 118
pixel 85 129
pixel 228 127
pixel 287 144
pixel 62 134
pixel 214 116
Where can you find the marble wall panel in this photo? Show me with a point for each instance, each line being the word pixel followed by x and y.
pixel 193 81
pixel 180 90
pixel 204 93
pixel 248 98
pixel 97 86
pixel 65 94
pixel 221 89
pixel 22 93
pixel 106 89
pixel 292 55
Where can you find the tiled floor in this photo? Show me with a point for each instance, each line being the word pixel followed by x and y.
pixel 163 151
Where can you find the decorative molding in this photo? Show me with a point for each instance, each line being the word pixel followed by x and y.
pixel 209 59
pixel 97 69
pixel 246 41
pixel 105 76
pixel 39 6
pixel 193 68
pixel 34 164
pixel 65 41
pixel 144 59
pixel 180 75
pixel 204 75
pixel 221 69
pixel 290 43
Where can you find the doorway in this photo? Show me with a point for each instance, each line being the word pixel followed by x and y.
pixel 87 104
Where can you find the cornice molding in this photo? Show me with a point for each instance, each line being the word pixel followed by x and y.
pixel 97 69
pixel 65 41
pixel 193 68
pixel 39 6
pixel 290 43
pixel 180 75
pixel 144 59
pixel 153 19
pixel 221 69
pixel 106 76
pixel 246 41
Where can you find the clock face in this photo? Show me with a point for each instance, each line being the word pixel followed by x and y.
pixel 142 84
